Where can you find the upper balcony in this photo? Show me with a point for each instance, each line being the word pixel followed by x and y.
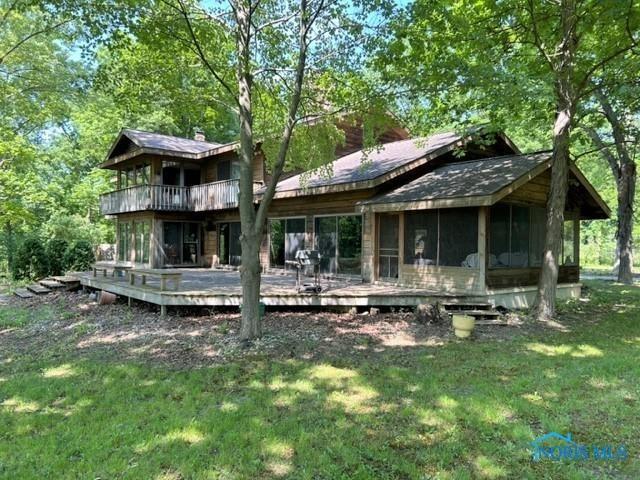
pixel 198 198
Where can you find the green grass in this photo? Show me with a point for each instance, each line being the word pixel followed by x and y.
pixel 463 410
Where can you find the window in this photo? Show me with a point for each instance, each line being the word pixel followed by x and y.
pixel 447 237
pixel 124 241
pixel 286 237
pixel 458 237
pixel 421 237
pixel 181 242
pixel 229 248
pixel 143 173
pixel 568 243
pixel 499 232
pixel 228 170
pixel 170 173
pixel 519 237
pixel 142 239
pixel 536 242
pixel 339 241
pixel 349 245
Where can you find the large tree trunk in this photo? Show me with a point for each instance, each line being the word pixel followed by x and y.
pixel 626 183
pixel 545 303
pixel 544 306
pixel 250 234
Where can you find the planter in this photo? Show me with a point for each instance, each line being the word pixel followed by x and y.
pixel 106 298
pixel 463 325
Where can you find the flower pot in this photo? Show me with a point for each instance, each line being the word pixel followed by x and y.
pixel 463 325
pixel 106 298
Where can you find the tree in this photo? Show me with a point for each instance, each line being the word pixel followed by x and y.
pixel 287 58
pixel 544 55
pixel 613 129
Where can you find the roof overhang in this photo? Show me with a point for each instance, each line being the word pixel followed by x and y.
pixel 372 183
pixel 602 212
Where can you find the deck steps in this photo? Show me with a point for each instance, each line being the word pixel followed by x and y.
pixel 67 281
pixel 483 312
pixel 23 293
pixel 38 289
pixel 51 284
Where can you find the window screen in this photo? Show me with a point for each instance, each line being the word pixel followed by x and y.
pixel 568 243
pixel 421 237
pixel 519 237
pixel 499 236
pixel 536 242
pixel 458 237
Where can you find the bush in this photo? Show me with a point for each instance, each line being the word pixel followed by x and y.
pixel 56 249
pixel 79 256
pixel 30 261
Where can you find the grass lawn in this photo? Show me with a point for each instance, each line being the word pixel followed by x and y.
pixel 458 410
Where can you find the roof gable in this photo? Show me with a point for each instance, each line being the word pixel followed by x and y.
pixel 130 140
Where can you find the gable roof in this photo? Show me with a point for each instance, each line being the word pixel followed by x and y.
pixel 368 169
pixel 471 179
pixel 480 182
pixel 130 143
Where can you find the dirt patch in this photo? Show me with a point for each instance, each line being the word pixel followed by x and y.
pixel 73 323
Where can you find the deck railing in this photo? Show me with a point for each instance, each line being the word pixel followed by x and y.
pixel 198 198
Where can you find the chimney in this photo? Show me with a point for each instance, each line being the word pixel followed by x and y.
pixel 199 135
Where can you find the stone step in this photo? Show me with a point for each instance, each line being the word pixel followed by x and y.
pixel 38 289
pixel 51 284
pixel 23 293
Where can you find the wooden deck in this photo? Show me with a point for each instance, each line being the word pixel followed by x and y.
pixel 206 287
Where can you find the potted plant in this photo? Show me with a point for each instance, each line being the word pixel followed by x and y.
pixel 463 325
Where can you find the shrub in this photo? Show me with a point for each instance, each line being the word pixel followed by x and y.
pixel 56 248
pixel 30 261
pixel 79 256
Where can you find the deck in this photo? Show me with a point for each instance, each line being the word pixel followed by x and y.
pixel 210 288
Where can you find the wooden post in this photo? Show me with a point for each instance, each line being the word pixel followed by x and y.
pixel 400 246
pixel 483 255
pixel 163 310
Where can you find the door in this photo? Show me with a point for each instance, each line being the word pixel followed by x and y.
pixel 388 246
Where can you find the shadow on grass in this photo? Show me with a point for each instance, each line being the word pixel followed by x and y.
pixel 460 410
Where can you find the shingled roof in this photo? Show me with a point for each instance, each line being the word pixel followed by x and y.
pixel 361 166
pixel 470 179
pixel 168 142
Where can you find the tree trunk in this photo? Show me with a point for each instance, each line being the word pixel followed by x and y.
pixel 544 306
pixel 250 234
pixel 545 303
pixel 626 184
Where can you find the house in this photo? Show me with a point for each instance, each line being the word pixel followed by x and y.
pixel 457 213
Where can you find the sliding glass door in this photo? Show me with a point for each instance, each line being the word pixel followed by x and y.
pixel 286 237
pixel 339 241
pixel 181 243
pixel 229 249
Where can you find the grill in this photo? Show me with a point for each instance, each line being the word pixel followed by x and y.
pixel 307 262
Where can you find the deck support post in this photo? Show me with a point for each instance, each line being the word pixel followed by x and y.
pixel 163 310
pixel 130 302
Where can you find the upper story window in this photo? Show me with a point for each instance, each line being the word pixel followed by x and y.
pixel 228 170
pixel 181 174
pixel 134 175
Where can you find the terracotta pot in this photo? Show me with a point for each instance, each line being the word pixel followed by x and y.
pixel 106 298
pixel 463 325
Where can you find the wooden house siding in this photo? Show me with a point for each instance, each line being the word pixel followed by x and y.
pixel 534 193
pixel 450 279
pixel 521 277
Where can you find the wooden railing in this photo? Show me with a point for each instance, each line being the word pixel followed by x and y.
pixel 198 198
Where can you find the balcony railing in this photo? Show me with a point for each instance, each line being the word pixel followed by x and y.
pixel 198 198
